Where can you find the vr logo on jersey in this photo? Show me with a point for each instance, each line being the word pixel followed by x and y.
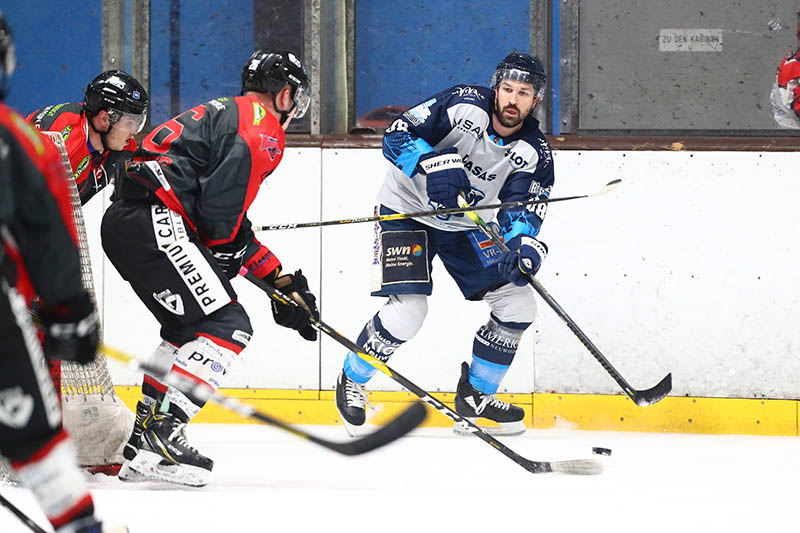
pixel 485 249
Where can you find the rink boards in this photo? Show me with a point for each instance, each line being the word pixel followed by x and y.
pixel 689 267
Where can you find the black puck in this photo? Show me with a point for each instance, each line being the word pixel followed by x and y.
pixel 601 451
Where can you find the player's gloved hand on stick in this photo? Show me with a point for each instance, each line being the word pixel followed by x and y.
pixel 293 316
pixel 524 257
pixel 446 176
pixel 71 330
pixel 230 257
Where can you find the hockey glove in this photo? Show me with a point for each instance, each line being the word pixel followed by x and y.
pixel 296 316
pixel 523 259
pixel 71 331
pixel 446 176
pixel 230 257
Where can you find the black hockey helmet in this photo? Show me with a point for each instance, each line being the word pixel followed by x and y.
pixel 8 59
pixel 120 94
pixel 521 67
pixel 269 72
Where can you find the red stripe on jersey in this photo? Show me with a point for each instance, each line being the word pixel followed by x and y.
pixel 42 452
pixel 191 377
pixel 153 382
pixel 235 348
pixel 84 508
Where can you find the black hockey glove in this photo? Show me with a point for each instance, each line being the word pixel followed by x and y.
pixel 296 316
pixel 524 258
pixel 446 176
pixel 71 331
pixel 230 257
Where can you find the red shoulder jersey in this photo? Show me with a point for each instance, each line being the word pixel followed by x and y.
pixel 214 158
pixel 91 169
pixel 41 237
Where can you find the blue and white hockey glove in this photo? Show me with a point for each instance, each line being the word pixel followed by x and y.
pixel 446 176
pixel 524 258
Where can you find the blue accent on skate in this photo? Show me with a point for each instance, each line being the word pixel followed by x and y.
pixel 485 375
pixel 357 369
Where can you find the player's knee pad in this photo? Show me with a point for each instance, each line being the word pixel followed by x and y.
pixel 403 314
pixel 203 361
pixel 512 305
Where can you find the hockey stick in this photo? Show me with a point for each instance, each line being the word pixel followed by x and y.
pixel 396 428
pixel 611 185
pixel 576 466
pixel 640 397
pixel 22 516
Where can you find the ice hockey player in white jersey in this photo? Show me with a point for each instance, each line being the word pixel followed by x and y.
pixel 484 143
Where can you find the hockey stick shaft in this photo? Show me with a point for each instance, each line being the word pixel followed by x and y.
pixel 640 397
pixel 405 422
pixel 578 466
pixel 22 516
pixel 611 185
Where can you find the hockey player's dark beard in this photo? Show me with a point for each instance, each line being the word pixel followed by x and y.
pixel 508 123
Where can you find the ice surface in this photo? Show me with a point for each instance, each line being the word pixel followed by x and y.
pixel 433 481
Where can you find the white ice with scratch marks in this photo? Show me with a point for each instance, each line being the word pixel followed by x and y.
pixel 433 481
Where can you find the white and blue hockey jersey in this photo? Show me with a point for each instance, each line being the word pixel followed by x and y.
pixel 515 168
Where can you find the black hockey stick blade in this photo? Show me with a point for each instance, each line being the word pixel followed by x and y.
pixel 33 526
pixel 643 398
pixel 640 397
pixel 394 429
pixel 608 187
pixel 576 467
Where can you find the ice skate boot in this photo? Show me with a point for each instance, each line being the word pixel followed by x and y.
pixel 165 455
pixel 350 402
pixel 472 404
pixel 132 446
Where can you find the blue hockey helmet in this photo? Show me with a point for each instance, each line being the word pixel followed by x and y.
pixel 521 67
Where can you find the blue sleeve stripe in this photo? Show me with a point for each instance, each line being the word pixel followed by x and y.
pixel 404 151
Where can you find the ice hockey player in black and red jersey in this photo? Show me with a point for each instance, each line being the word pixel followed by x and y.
pixel 481 142
pixel 39 252
pixel 98 133
pixel 785 94
pixel 178 232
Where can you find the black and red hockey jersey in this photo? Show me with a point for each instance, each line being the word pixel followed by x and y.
pixel 38 233
pixel 214 158
pixel 91 169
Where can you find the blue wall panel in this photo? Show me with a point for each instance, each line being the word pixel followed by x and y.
pixel 200 55
pixel 57 55
pixel 406 51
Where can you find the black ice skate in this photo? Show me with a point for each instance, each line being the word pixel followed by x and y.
pixel 472 404
pixel 165 455
pixel 350 402
pixel 132 446
pixel 90 525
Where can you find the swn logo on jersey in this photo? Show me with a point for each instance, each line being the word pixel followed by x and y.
pixel 468 92
pixel 467 126
pixel 258 113
pixel 270 145
pixel 414 249
pixel 65 133
pixel 476 171
pixel 171 302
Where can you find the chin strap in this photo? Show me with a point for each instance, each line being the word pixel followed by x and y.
pixel 102 134
pixel 284 114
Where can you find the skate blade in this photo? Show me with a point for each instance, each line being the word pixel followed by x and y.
pixel 502 429
pixel 147 464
